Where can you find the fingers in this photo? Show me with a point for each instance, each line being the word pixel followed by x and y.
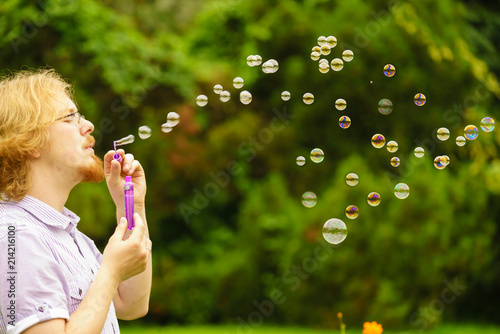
pixel 128 166
pixel 115 176
pixel 136 166
pixel 111 166
pixel 140 227
pixel 121 229
pixel 127 163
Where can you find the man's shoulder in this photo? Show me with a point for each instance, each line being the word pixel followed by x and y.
pixel 12 215
pixel 11 211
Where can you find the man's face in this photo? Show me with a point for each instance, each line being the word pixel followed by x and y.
pixel 69 150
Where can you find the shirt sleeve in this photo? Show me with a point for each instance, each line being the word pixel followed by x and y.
pixel 34 291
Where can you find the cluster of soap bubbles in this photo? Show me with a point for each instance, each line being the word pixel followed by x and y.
pixel 254 60
pixel 324 47
pixel 335 230
pixel 145 131
pixel 269 66
pixel 173 119
pixel 471 132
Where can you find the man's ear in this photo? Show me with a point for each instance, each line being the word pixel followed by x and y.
pixel 34 154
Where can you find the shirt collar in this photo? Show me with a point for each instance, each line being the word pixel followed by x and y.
pixel 47 214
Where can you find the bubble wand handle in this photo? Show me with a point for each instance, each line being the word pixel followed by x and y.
pixel 128 189
pixel 117 156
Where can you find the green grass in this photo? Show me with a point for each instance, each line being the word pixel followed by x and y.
pixel 445 329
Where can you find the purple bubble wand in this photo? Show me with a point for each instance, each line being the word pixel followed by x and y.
pixel 128 188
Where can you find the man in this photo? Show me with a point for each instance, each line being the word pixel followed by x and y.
pixel 53 278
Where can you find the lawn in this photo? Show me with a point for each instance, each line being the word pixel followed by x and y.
pixel 445 329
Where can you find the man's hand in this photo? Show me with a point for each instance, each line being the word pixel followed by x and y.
pixel 115 173
pixel 127 258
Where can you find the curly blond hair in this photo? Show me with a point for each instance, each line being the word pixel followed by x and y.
pixel 29 101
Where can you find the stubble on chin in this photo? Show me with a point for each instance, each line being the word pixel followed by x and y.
pixel 93 172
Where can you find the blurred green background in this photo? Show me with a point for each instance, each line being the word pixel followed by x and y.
pixel 232 242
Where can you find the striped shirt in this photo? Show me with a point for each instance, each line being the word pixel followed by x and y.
pixel 46 265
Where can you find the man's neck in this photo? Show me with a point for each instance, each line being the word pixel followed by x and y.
pixel 51 189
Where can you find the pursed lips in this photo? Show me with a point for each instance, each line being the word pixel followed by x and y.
pixel 90 145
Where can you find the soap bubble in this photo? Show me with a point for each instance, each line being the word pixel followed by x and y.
pixel 445 160
pixel 331 41
pixel 202 100
pixel 324 67
pixel 309 199
pixel 443 134
pixel 245 97
pixel 419 152
pixel 301 161
pixel 322 40
pixel 352 212
pixel 218 89
pixel 285 96
pixel 471 132
pixel 308 98
pixel 250 60
pixel 460 140
pixel 325 50
pixel 395 161
pixel 352 179
pixel 267 67
pixel 337 64
pixel 401 190
pixel 334 231
pixel 344 122
pixel 419 99
pixel 274 65
pixel 340 104
pixel 224 96
pixel 347 55
pixel 166 127
pixel 385 106
pixel 373 199
pixel 389 70
pixel 487 124
pixel 315 55
pixel 173 118
pixel 378 141
pixel 317 49
pixel 144 132
pixel 238 82
pixel 257 60
pixel 439 162
pixel 392 146
pixel 125 140
pixel 317 155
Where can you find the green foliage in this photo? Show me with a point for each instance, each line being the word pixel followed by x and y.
pixel 224 208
